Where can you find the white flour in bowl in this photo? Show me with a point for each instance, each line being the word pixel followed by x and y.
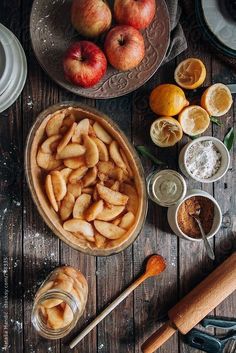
pixel 203 159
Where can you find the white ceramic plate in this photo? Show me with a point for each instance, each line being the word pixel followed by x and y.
pixel 219 22
pixel 6 59
pixel 18 69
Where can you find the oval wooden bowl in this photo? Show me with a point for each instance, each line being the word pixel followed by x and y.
pixel 35 177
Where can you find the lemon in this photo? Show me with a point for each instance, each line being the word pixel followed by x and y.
pixel 166 132
pixel 217 99
pixel 167 100
pixel 190 73
pixel 194 120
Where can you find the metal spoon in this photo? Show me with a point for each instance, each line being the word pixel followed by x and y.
pixel 208 247
pixel 155 265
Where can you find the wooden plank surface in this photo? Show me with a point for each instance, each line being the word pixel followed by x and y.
pixel 29 250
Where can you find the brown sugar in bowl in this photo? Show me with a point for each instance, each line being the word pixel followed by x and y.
pixel 35 177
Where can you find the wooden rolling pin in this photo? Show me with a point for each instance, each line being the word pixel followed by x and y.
pixel 197 304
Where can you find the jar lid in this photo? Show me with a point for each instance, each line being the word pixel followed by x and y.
pixel 167 187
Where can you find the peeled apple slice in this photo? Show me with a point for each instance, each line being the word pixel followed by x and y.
pixel 166 132
pixel 194 120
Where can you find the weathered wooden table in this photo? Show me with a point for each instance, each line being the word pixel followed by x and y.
pixel 29 250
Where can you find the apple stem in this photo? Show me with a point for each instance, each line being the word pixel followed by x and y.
pixel 121 40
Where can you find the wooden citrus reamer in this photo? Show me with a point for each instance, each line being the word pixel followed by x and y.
pixel 197 304
pixel 155 265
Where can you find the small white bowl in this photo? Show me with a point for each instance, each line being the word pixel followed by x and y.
pixel 173 212
pixel 225 159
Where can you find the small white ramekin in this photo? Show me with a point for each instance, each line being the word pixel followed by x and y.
pixel 173 212
pixel 225 159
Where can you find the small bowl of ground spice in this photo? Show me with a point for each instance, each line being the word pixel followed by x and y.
pixel 183 223
pixel 206 159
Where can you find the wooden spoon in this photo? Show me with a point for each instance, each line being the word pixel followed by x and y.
pixel 155 265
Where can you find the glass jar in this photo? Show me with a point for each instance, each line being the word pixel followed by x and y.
pixel 59 302
pixel 166 187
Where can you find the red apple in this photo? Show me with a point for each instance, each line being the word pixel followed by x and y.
pixel 90 17
pixel 136 13
pixel 84 64
pixel 124 47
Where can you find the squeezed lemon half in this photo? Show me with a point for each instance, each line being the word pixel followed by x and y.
pixel 217 99
pixel 194 120
pixel 190 73
pixel 166 132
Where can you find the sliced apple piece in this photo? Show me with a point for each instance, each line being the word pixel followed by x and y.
pixel 55 318
pixel 101 133
pixel 90 177
pixel 66 138
pixel 81 129
pixel 68 121
pixel 133 201
pixel 102 149
pixel 65 172
pixel 54 124
pixel 115 186
pixel 77 174
pixel 109 230
pixel 110 170
pixel 70 151
pixel 67 315
pixel 112 197
pixel 116 221
pixel 46 146
pixel 74 189
pixel 74 162
pixel 50 192
pixel 100 240
pixel 47 161
pixel 87 191
pixel 81 205
pixel 67 206
pixel 44 288
pixel 91 213
pixel 115 155
pixel 105 167
pixel 91 154
pixel 110 213
pixel 81 226
pixel 59 185
pixel 129 169
pixel 127 220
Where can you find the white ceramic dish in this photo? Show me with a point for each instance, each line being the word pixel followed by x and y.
pixel 225 159
pixel 6 59
pixel 173 212
pixel 219 22
pixel 18 69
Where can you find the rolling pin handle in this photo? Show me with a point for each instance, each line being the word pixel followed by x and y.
pixel 159 338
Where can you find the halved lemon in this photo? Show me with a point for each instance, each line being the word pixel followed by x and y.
pixel 167 100
pixel 194 120
pixel 166 131
pixel 190 73
pixel 217 99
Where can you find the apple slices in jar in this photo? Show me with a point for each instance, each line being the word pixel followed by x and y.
pixel 89 181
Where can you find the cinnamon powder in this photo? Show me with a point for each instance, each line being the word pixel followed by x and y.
pixel 187 223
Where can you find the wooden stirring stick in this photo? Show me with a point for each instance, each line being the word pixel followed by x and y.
pixel 155 265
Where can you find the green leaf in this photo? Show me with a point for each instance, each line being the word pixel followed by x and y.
pixel 194 137
pixel 143 150
pixel 229 139
pixel 216 121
